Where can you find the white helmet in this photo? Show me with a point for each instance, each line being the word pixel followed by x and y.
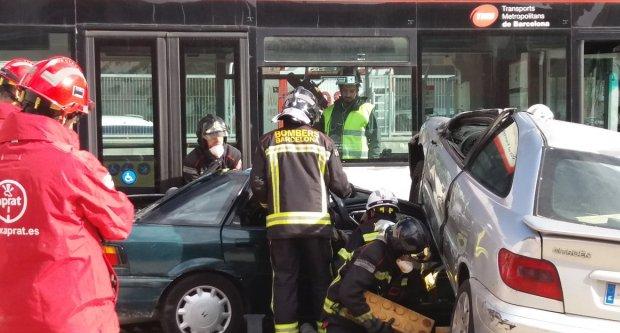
pixel 382 198
pixel 540 111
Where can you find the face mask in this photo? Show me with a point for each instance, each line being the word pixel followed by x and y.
pixel 405 266
pixel 217 150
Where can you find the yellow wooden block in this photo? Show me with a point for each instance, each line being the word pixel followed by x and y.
pixel 406 320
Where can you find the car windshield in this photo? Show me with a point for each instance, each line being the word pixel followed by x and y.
pixel 580 188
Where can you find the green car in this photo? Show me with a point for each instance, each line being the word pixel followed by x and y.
pixel 197 259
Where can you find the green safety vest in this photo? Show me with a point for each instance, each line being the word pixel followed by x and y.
pixel 354 141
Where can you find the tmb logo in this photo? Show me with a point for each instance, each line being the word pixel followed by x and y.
pixel 13 201
pixel 484 15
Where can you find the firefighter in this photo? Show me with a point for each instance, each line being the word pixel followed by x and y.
pixel 58 205
pixel 350 121
pixel 381 209
pixel 293 169
pixel 212 153
pixel 370 269
pixel 10 75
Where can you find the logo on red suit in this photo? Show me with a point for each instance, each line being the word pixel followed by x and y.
pixel 13 201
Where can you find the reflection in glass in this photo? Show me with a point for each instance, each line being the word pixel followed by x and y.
pixel 32 44
pixel 127 114
pixel 388 89
pixel 464 72
pixel 209 89
pixel 601 93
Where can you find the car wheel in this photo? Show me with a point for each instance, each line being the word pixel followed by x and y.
pixel 206 303
pixel 462 314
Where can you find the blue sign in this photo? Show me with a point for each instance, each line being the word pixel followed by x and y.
pixel 129 177
pixel 611 293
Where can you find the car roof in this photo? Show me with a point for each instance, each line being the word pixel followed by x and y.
pixel 578 137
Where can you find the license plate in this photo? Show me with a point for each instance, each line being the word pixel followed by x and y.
pixel 612 294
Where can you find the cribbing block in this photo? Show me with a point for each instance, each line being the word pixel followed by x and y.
pixel 406 320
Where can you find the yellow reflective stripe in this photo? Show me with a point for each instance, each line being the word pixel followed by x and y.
pixel 275 181
pixel 322 163
pixel 344 254
pixel 287 328
pixel 366 316
pixel 370 236
pixel 320 328
pixel 298 218
pixel 383 276
pixel 404 282
pixel 329 305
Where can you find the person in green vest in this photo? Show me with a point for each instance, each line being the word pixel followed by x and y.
pixel 350 122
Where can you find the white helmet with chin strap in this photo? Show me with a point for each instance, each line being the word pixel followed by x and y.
pixel 382 198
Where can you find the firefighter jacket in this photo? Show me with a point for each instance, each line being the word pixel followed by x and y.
pixel 57 204
pixel 353 129
pixel 200 161
pixel 370 269
pixel 6 108
pixel 369 230
pixel 292 170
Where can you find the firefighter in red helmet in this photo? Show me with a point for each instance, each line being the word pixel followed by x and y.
pixel 59 205
pixel 10 75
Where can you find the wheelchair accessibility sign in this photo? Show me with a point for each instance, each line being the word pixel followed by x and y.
pixel 129 177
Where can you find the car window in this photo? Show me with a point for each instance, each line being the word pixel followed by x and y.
pixel 580 188
pixel 495 164
pixel 250 213
pixel 204 203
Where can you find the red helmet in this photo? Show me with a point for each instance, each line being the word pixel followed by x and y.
pixel 12 72
pixel 60 82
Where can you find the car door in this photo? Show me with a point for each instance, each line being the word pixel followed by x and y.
pixel 477 203
pixel 245 248
pixel 578 215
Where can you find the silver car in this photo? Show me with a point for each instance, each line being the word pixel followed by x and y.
pixel 525 212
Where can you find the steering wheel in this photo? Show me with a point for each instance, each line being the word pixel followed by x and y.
pixel 341 209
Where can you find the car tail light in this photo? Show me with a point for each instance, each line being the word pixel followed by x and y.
pixel 533 276
pixel 112 255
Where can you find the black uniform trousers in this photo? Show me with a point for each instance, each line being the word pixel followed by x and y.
pixel 314 255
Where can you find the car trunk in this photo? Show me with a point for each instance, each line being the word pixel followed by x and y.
pixel 586 258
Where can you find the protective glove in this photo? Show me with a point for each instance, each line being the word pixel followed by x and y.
pixel 376 325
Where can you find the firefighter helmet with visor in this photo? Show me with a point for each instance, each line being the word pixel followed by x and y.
pixel 300 106
pixel 57 83
pixel 12 73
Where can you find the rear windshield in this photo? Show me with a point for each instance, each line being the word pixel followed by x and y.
pixel 581 188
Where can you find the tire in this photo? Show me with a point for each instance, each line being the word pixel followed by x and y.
pixel 462 313
pixel 214 305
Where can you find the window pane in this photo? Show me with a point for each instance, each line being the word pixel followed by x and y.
pixel 209 88
pixel 601 93
pixel 201 204
pixel 386 89
pixel 336 49
pixel 495 165
pixel 32 44
pixel 466 72
pixel 127 114
pixel 580 188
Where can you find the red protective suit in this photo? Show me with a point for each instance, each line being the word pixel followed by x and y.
pixel 6 108
pixel 56 205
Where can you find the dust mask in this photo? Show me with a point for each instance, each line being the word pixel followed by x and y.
pixel 217 150
pixel 405 266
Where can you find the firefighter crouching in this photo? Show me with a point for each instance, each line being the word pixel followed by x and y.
pixel 58 205
pixel 381 209
pixel 294 167
pixel 370 269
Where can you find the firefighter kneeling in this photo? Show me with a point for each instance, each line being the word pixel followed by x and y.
pixel 370 269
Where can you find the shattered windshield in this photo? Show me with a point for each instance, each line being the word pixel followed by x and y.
pixel 581 188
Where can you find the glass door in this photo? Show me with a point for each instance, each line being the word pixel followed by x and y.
pixel 601 87
pixel 127 107
pixel 151 89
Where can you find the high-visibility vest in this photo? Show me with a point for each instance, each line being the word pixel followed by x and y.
pixel 354 142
